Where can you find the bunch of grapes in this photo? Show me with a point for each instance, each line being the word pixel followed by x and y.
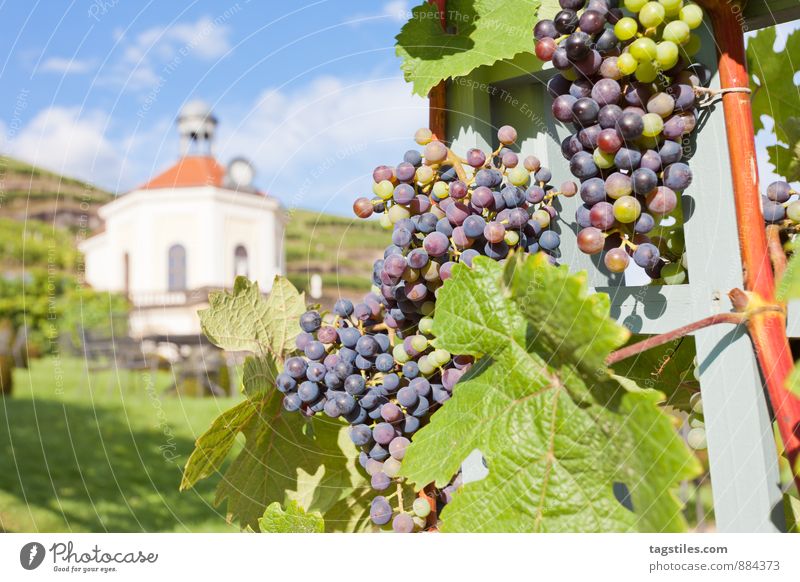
pixel 780 205
pixel 374 363
pixel 627 86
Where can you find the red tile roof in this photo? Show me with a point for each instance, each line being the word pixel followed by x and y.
pixel 187 172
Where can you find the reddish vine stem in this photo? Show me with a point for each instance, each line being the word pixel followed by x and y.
pixel 776 253
pixel 767 330
pixel 661 339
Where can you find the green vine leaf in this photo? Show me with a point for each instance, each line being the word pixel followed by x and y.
pixel 290 458
pixel 775 94
pixel 480 32
pixel 215 444
pixel 258 375
pixel 563 438
pixel 244 320
pixel 293 519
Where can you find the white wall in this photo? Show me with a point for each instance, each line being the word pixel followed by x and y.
pixel 208 221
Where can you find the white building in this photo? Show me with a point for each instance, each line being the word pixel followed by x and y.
pixel 191 229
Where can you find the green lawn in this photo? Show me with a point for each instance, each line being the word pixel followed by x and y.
pixel 101 452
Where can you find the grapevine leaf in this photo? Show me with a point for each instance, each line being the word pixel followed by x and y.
pixel 289 458
pixel 293 519
pixel 480 32
pixel 789 284
pixel 213 446
pixel 258 375
pixel 668 369
pixel 559 433
pixel 245 320
pixel 791 507
pixel 775 94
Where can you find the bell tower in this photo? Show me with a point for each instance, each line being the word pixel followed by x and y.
pixel 196 125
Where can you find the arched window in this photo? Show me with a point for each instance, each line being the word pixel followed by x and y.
pixel 240 261
pixel 176 268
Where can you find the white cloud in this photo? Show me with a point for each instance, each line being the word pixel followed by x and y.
pixel 156 51
pixel 329 131
pixel 397 10
pixel 69 142
pixel 66 66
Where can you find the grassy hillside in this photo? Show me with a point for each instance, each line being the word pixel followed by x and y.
pixel 22 183
pixel 341 250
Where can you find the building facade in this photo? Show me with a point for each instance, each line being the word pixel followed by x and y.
pixel 189 230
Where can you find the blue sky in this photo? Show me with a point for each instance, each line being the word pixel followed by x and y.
pixel 310 91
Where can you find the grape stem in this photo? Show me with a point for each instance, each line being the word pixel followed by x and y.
pixel 776 254
pixel 735 318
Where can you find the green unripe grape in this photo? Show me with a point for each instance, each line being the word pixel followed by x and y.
pixel 398 212
pixel 667 54
pixel 511 237
pixel 421 507
pixel 627 209
pixel 635 5
pixel 518 176
pixel 399 354
pixel 424 174
pixel 542 217
pixel 692 15
pixel 673 274
pixel 696 421
pixel 410 275
pixel 626 28
pixel 391 467
pixel 602 159
pixel 643 49
pixel 386 222
pixel 652 15
pixel 646 72
pixel 696 402
pixel 696 438
pixel 439 357
pixel 384 189
pixel 693 45
pixel 425 366
pixel 426 308
pixel 419 342
pixel 672 7
pixel 793 211
pixel 653 124
pixel 570 74
pixel 676 31
pixel 425 325
pixel 627 64
pixel 440 189
pixel 685 261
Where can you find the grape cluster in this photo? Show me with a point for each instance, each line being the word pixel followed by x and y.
pixel 780 204
pixel 696 437
pixel 374 363
pixel 626 85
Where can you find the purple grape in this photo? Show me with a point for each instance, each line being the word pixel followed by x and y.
pixel 380 512
pixel 602 215
pixel 591 22
pixel 436 244
pixel 644 224
pixel 630 125
pixel 674 127
pixel 638 94
pixel 644 181
pixel 562 108
pixel 582 166
pixel 544 29
pixel 593 191
pixel 566 21
pixel 588 136
pixel 581 88
pixel 578 45
pixel 606 92
pixel 627 159
pixel 609 116
pixel 560 60
pixel 557 86
pixel 779 191
pixel 585 111
pixel 570 146
pixel 646 255
pixel 590 64
pixel 670 153
pixel 405 172
pixel 482 198
pixel 677 177
pixel 651 160
pixel 582 216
